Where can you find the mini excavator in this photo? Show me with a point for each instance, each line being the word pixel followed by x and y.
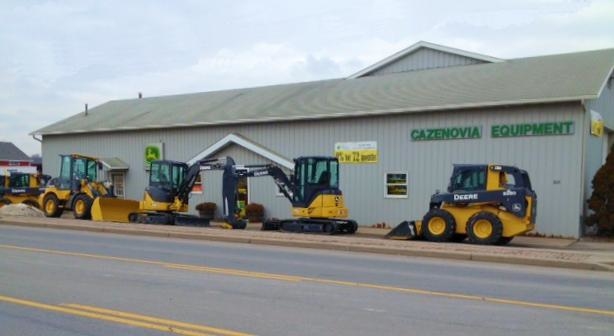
pixel 313 191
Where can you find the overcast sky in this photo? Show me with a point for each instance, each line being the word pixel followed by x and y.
pixel 55 56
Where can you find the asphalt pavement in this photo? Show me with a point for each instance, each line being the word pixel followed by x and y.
pixel 538 251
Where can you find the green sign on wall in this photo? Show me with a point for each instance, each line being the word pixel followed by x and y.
pixel 532 129
pixel 448 133
pixel 153 152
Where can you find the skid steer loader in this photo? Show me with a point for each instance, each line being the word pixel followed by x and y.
pixel 76 187
pixel 22 188
pixel 488 204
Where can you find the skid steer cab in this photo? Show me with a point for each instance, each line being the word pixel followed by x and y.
pixel 76 187
pixel 486 204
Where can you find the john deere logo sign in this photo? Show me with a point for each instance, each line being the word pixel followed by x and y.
pixel 153 152
pixel 448 133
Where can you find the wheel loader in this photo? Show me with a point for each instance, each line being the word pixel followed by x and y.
pixel 76 187
pixel 22 188
pixel 486 204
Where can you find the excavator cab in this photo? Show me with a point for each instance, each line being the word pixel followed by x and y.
pixel 165 178
pixel 314 176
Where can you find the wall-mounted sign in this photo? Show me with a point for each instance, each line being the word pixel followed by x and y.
pixel 154 151
pixel 532 129
pixel 596 124
pixel 356 152
pixel 448 133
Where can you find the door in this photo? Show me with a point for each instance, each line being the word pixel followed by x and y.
pixel 242 196
pixel 118 181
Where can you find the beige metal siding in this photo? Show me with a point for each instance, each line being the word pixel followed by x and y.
pixel 423 59
pixel 553 161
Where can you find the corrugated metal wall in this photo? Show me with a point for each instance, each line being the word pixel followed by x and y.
pixel 425 58
pixel 596 147
pixel 552 161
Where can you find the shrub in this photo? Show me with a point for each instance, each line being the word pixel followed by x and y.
pixel 206 209
pixel 254 212
pixel 601 202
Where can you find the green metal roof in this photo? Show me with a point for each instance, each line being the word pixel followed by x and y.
pixel 543 79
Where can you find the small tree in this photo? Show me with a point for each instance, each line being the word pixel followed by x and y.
pixel 601 201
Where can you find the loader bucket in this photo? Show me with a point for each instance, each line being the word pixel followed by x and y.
pixel 106 209
pixel 404 231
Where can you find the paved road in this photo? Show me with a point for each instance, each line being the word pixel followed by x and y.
pixel 73 283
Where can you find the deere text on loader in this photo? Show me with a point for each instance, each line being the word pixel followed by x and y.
pixel 76 187
pixel 22 188
pixel 488 204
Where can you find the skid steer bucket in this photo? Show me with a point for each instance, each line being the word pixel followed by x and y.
pixel 404 231
pixel 105 209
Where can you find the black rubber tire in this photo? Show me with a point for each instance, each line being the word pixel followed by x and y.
pixel 55 210
pixel 4 202
pixel 496 231
pixel 504 241
pixel 448 230
pixel 86 212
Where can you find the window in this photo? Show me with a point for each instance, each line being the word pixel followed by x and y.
pixel 396 185
pixel 197 188
pixel 469 180
pixel 117 179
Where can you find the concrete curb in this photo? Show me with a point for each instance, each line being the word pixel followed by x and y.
pixel 305 241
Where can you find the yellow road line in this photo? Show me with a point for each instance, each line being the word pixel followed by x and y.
pixel 226 271
pixel 156 320
pixel 289 278
pixel 165 327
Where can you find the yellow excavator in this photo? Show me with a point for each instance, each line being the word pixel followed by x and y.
pixel 22 188
pixel 165 200
pixel 76 187
pixel 313 190
pixel 486 204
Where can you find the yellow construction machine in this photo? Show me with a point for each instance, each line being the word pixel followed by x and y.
pixel 165 200
pixel 488 204
pixel 22 188
pixel 313 191
pixel 76 187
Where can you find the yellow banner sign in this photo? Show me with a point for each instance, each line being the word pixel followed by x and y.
pixel 356 152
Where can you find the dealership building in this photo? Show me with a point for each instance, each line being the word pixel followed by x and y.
pixel 397 127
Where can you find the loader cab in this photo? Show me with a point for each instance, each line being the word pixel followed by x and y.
pixel 75 168
pixel 487 177
pixel 165 177
pixel 314 176
pixel 20 180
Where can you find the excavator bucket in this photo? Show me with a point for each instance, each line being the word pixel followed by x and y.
pixel 404 231
pixel 106 209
